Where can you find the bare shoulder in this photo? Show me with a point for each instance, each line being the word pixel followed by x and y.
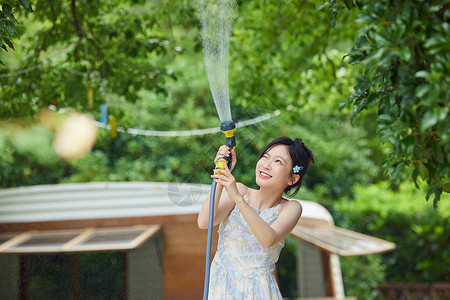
pixel 293 205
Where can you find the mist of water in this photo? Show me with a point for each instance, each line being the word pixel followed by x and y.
pixel 216 17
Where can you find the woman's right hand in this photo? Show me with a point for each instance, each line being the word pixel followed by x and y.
pixel 224 151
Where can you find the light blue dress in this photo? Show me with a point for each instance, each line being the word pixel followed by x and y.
pixel 242 268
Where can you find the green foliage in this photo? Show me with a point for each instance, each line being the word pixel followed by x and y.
pixel 304 86
pixel 113 49
pixel 342 156
pixel 144 60
pixel 94 282
pixel 287 269
pixel 189 159
pixel 27 156
pixel 362 275
pixel 8 30
pixel 420 232
pixel 49 276
pixel 404 49
pixel 281 57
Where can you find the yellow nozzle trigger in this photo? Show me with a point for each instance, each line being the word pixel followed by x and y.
pixel 220 165
pixel 229 133
pixel 221 162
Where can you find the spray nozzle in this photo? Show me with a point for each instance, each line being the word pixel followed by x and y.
pixel 228 128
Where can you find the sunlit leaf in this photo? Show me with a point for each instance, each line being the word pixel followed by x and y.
pixel 421 90
pixel 423 171
pixel 429 119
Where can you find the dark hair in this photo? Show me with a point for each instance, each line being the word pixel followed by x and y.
pixel 300 156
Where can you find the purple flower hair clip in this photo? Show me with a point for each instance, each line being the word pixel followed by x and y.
pixel 297 169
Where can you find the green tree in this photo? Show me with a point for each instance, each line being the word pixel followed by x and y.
pixel 8 22
pixel 78 52
pixel 419 231
pixel 403 47
pixel 143 59
pixel 267 73
pixel 285 54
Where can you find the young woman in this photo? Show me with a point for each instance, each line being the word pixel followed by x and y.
pixel 255 223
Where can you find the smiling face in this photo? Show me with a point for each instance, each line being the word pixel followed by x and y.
pixel 273 169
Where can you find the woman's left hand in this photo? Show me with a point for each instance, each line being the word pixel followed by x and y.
pixel 226 179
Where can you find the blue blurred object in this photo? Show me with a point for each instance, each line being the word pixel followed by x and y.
pixel 104 114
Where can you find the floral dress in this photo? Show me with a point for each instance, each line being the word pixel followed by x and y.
pixel 242 268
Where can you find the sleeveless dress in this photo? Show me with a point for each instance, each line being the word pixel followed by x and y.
pixel 242 268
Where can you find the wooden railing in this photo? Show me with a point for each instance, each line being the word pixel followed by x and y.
pixel 407 291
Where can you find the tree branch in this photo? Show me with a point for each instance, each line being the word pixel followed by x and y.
pixel 47 35
pixel 78 27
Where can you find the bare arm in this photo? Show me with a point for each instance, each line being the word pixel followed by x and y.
pixel 267 235
pixel 222 203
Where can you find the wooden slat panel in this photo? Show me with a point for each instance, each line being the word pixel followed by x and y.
pixel 184 258
pixel 185 294
pixel 177 272
pixel 341 241
pixel 184 283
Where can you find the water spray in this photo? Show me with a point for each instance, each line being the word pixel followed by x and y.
pixel 215 17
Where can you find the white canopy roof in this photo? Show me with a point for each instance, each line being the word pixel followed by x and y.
pixel 94 200
pixel 97 200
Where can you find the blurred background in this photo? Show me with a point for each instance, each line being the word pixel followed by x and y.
pixel 364 84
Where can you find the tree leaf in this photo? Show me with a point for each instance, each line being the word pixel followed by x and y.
pixel 404 53
pixel 373 99
pixel 349 99
pixel 362 85
pixel 429 119
pixel 385 117
pixel 342 104
pixel 6 9
pixel 423 171
pixel 437 190
pixel 408 144
pixel 9 43
pixel 437 197
pixel 361 105
pixel 446 187
pixel 421 90
pixel 333 20
pixel 349 4
pixel 322 6
pixel 26 5
pixel 10 30
pixel 414 176
pixel 423 74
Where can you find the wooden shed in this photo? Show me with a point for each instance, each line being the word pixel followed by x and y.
pixel 151 228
